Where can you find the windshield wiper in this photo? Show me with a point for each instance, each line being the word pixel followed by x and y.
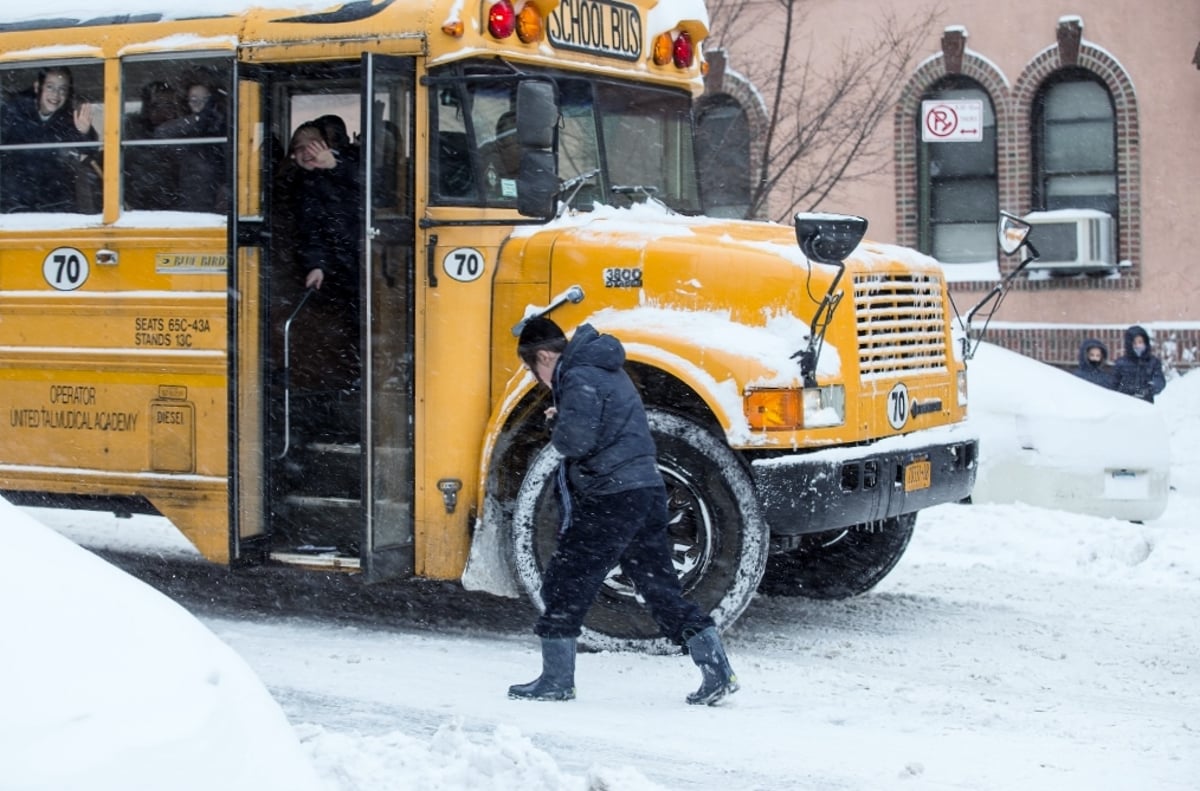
pixel 573 185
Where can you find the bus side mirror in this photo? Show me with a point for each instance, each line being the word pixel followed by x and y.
pixel 537 126
pixel 537 184
pixel 829 238
pixel 1012 232
pixel 537 114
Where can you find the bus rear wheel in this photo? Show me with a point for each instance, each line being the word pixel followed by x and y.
pixel 717 531
pixel 840 563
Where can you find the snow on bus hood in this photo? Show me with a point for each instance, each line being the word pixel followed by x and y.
pixel 759 263
pixel 772 345
pixel 640 223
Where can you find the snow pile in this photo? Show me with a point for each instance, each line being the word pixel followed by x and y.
pixel 453 759
pixel 1179 405
pixel 141 695
pixel 108 684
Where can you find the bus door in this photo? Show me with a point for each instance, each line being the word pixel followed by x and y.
pixel 389 315
pixel 324 389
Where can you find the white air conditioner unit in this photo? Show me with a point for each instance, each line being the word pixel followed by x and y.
pixel 1073 240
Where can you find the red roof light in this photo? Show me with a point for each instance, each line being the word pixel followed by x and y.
pixel 502 20
pixel 682 52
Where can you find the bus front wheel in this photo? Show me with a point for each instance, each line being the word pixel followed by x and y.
pixel 840 563
pixel 717 533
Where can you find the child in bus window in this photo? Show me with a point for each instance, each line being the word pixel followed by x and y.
pixel 48 179
pixel 201 165
pixel 151 179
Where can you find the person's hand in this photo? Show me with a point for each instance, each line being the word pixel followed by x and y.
pixel 315 278
pixel 83 118
pixel 321 155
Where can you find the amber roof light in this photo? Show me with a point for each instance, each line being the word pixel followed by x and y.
pixel 529 24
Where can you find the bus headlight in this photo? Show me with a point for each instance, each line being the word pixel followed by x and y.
pixel 824 406
pixel 790 409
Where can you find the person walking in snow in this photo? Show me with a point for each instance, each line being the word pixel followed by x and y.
pixel 1093 364
pixel 1138 372
pixel 615 510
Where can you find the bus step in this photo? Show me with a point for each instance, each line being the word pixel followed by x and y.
pixel 329 561
pixel 308 521
pixel 309 501
pixel 323 470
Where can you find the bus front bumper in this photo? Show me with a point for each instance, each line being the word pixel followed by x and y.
pixel 835 488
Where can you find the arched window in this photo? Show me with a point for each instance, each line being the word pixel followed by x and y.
pixel 958 203
pixel 723 157
pixel 1074 144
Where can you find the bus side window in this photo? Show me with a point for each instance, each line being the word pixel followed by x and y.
pixel 149 169
pixel 202 152
pixel 175 146
pixel 50 154
pixel 388 175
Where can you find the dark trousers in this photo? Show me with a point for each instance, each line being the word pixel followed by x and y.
pixel 629 528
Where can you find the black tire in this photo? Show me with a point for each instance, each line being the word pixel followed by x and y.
pixel 840 563
pixel 716 526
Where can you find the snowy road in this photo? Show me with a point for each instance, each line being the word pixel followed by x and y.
pixel 1011 648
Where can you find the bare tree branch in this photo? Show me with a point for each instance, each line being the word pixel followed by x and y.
pixel 822 122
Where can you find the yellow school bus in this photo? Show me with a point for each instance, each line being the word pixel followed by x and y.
pixel 160 348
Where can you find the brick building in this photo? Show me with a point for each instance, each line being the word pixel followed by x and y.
pixel 1083 116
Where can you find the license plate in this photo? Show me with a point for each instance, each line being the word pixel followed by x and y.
pixel 917 475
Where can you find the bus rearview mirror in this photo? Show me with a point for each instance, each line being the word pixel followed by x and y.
pixel 537 183
pixel 537 114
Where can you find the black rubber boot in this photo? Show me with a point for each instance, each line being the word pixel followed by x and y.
pixel 709 655
pixel 557 681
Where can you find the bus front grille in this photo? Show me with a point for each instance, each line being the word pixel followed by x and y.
pixel 901 324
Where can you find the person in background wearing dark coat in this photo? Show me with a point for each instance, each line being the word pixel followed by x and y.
pixel 614 507
pixel 1093 364
pixel 46 180
pixel 1138 372
pixel 338 137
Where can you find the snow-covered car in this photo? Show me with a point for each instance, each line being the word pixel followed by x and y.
pixel 1050 439
pixel 108 684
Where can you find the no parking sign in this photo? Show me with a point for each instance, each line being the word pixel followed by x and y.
pixel 952 120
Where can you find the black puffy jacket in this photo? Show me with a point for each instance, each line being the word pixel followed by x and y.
pixel 1139 376
pixel 40 180
pixel 328 208
pixel 601 427
pixel 1097 373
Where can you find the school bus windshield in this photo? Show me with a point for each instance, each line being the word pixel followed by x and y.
pixel 618 143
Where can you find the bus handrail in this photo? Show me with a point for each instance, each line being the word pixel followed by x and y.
pixel 287 383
